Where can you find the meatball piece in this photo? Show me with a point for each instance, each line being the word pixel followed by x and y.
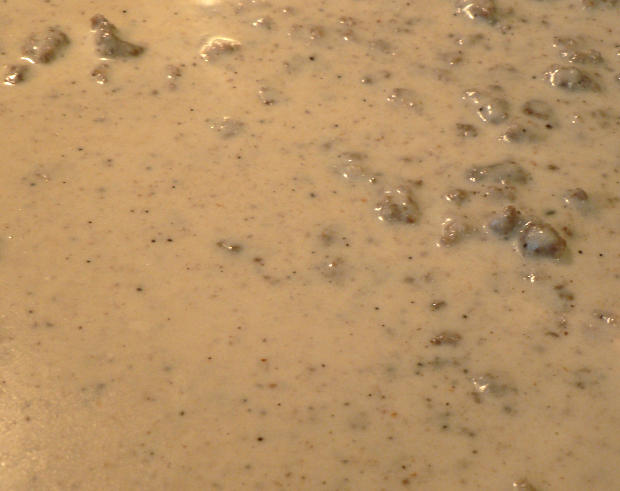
pixel 571 78
pixel 44 48
pixel 397 206
pixel 490 108
pixel 541 240
pixel 107 42
pixel 507 172
pixel 505 223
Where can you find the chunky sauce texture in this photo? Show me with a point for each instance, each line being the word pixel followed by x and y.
pixel 341 245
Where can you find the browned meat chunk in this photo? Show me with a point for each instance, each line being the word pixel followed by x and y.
pixel 598 3
pixel 226 127
pixel 517 133
pixel 453 231
pixel 571 78
pixel 44 47
pixel 505 223
pixel 100 73
pixel 15 74
pixel 397 205
pixel 457 196
pixel 352 166
pixel 107 42
pixel 270 96
pixel 542 240
pixel 505 173
pixel 229 246
pixel 479 9
pixel 489 107
pixel 217 47
pixel 446 337
pixel 578 198
pixel 571 51
pixel 406 98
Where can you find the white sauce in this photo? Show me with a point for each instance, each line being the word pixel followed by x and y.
pixel 198 293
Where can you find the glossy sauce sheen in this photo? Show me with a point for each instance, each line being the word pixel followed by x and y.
pixel 268 250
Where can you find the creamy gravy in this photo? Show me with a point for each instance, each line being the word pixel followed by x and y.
pixel 272 249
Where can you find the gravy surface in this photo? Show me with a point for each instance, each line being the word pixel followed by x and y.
pixel 338 245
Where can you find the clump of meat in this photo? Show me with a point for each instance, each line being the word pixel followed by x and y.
pixel 507 173
pixel 484 10
pixel 541 240
pixel 490 106
pixel 572 51
pixel 107 41
pixel 505 223
pixel 397 206
pixel 44 47
pixel 454 230
pixel 216 47
pixel 15 74
pixel 571 78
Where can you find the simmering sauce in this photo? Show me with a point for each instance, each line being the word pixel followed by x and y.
pixel 341 245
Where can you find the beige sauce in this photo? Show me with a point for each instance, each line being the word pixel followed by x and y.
pixel 267 251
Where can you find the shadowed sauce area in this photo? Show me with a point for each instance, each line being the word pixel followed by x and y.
pixel 341 245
